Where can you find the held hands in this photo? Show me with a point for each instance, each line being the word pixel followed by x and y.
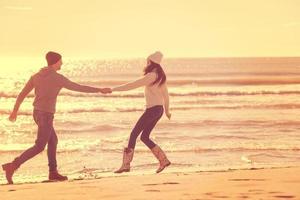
pixel 106 90
pixel 13 116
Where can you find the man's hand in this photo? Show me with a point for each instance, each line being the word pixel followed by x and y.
pixel 13 116
pixel 105 90
pixel 169 115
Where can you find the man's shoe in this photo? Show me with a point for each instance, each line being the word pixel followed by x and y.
pixel 55 176
pixel 9 169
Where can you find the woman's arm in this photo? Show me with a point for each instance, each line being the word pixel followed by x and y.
pixel 165 93
pixel 143 81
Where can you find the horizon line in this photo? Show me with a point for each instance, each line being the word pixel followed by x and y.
pixel 138 57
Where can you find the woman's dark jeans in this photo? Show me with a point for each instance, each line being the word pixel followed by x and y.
pixel 145 124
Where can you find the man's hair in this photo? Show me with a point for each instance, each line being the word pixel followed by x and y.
pixel 52 57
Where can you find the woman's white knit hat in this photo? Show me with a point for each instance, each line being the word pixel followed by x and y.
pixel 156 57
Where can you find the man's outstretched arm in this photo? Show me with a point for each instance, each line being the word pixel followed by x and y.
pixel 25 91
pixel 79 88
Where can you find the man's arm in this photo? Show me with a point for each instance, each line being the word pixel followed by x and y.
pixel 79 88
pixel 25 91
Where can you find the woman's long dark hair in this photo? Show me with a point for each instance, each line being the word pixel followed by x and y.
pixel 154 67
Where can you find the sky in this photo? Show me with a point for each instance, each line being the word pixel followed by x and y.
pixel 134 28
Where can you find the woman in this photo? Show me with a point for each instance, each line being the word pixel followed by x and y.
pixel 157 98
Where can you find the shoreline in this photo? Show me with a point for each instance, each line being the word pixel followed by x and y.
pixel 266 183
pixel 110 174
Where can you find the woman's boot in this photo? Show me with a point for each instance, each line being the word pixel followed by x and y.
pixel 127 158
pixel 161 156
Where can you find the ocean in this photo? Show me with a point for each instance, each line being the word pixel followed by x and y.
pixel 227 113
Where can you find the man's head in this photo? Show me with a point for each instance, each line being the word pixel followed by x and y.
pixel 54 60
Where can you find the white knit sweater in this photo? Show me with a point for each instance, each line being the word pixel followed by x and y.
pixel 154 94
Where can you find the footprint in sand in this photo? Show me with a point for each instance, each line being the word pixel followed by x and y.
pixel 221 197
pixel 275 192
pixel 215 195
pixel 166 183
pixel 152 190
pixel 243 197
pixel 150 184
pixel 246 179
pixel 209 193
pixel 170 183
pixel 256 190
pixel 284 196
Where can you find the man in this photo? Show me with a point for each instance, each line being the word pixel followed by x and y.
pixel 47 84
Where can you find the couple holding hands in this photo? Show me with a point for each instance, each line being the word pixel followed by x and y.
pixel 47 84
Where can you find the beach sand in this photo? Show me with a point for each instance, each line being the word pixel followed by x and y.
pixel 275 183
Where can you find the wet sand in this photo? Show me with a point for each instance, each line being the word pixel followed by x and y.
pixel 276 183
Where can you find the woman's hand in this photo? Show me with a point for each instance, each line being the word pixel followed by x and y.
pixel 169 115
pixel 13 116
